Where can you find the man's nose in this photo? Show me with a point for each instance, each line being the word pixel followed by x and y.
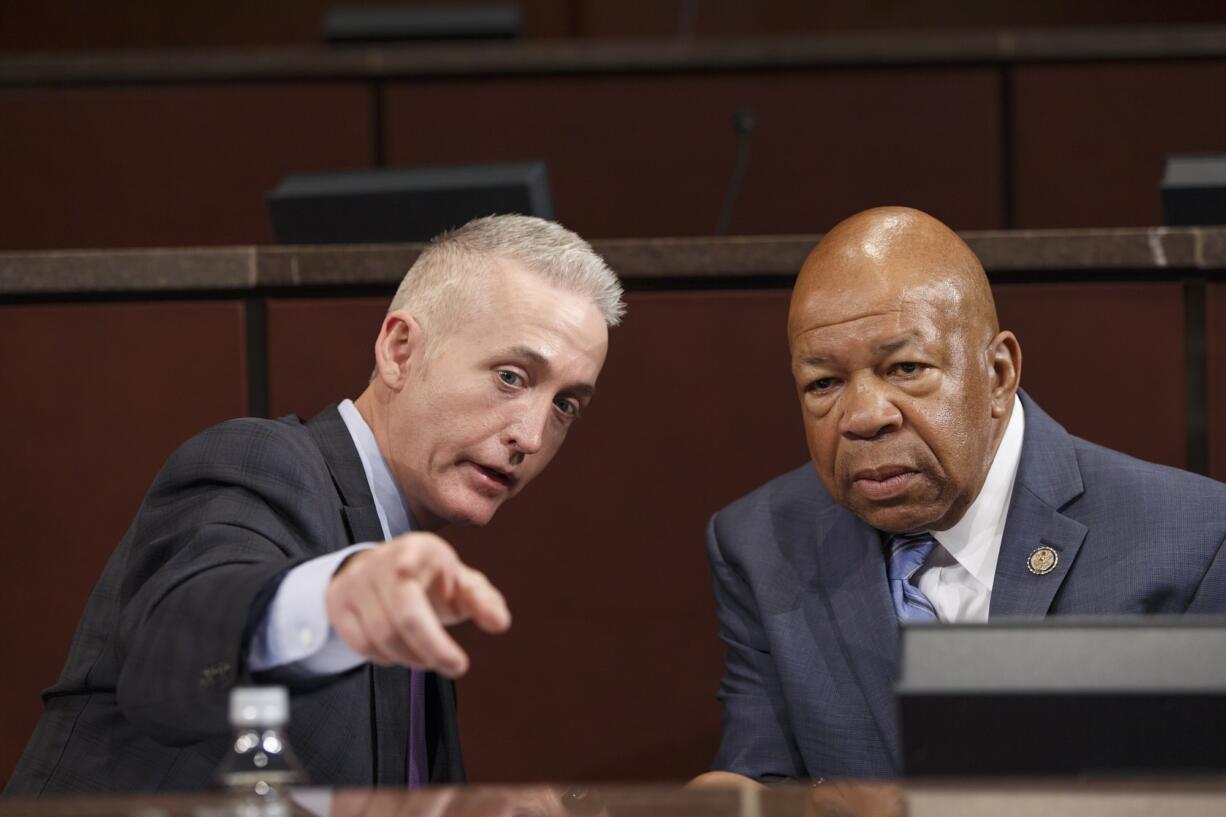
pixel 868 411
pixel 526 431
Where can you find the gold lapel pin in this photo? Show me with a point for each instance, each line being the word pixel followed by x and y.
pixel 1043 560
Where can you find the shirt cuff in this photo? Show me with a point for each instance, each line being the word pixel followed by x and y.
pixel 296 631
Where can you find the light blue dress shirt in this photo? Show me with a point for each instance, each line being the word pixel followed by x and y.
pixel 295 630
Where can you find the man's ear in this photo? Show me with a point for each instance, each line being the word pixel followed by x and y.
pixel 400 344
pixel 1005 373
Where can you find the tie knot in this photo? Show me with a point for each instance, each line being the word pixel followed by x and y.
pixel 906 553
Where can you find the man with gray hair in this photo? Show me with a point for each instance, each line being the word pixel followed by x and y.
pixel 277 551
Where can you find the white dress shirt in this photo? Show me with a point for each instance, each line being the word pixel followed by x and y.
pixel 957 576
pixel 295 630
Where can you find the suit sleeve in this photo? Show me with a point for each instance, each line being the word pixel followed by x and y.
pixel 231 511
pixel 755 739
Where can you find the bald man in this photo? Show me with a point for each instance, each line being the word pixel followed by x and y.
pixel 937 491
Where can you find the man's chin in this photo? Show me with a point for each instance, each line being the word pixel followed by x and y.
pixel 902 518
pixel 468 519
pixel 471 512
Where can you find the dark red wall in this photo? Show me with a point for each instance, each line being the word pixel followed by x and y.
pixel 95 398
pixel 320 351
pixel 662 18
pixel 629 155
pixel 651 155
pixel 166 166
pixel 1090 140
pixel 1216 349
pixel 1117 379
pixel 42 25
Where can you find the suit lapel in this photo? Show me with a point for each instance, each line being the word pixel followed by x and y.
pixel 389 686
pixel 345 466
pixel 850 588
pixel 1048 478
pixel 362 523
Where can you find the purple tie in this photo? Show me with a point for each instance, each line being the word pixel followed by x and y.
pixel 419 770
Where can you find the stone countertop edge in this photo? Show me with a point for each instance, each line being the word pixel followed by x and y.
pixel 770 258
pixel 846 48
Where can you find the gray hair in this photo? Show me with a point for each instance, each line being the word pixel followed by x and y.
pixel 450 268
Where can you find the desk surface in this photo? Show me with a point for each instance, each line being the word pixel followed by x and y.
pixel 1049 798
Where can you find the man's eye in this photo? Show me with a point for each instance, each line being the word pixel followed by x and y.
pixel 907 368
pixel 567 407
pixel 510 378
pixel 821 384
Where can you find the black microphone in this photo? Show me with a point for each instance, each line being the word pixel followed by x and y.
pixel 743 123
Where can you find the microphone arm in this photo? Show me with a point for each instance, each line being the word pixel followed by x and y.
pixel 743 123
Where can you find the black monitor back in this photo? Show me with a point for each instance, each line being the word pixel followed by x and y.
pixel 1064 696
pixel 1194 190
pixel 380 206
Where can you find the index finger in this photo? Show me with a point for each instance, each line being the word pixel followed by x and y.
pixel 475 597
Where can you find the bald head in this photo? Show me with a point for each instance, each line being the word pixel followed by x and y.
pixel 905 381
pixel 892 255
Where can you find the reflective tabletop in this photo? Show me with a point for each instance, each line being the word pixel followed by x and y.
pixel 1193 797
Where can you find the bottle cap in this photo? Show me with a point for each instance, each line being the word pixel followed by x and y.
pixel 259 706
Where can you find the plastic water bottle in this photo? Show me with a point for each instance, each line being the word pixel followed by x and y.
pixel 260 766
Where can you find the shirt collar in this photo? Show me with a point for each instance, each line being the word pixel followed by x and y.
pixel 393 512
pixel 975 541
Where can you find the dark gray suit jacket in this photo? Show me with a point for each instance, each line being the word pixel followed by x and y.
pixel 811 634
pixel 141 704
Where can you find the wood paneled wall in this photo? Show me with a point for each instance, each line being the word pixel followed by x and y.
pixel 171 165
pixel 49 25
pixel 1090 140
pixel 649 155
pixel 638 154
pixel 95 398
pixel 1215 336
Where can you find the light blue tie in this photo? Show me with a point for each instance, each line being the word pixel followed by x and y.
pixel 906 554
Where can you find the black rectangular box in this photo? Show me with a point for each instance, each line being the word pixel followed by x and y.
pixel 381 206
pixel 1064 696
pixel 1194 191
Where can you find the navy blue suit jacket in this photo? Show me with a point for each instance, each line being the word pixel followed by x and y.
pixel 811 635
